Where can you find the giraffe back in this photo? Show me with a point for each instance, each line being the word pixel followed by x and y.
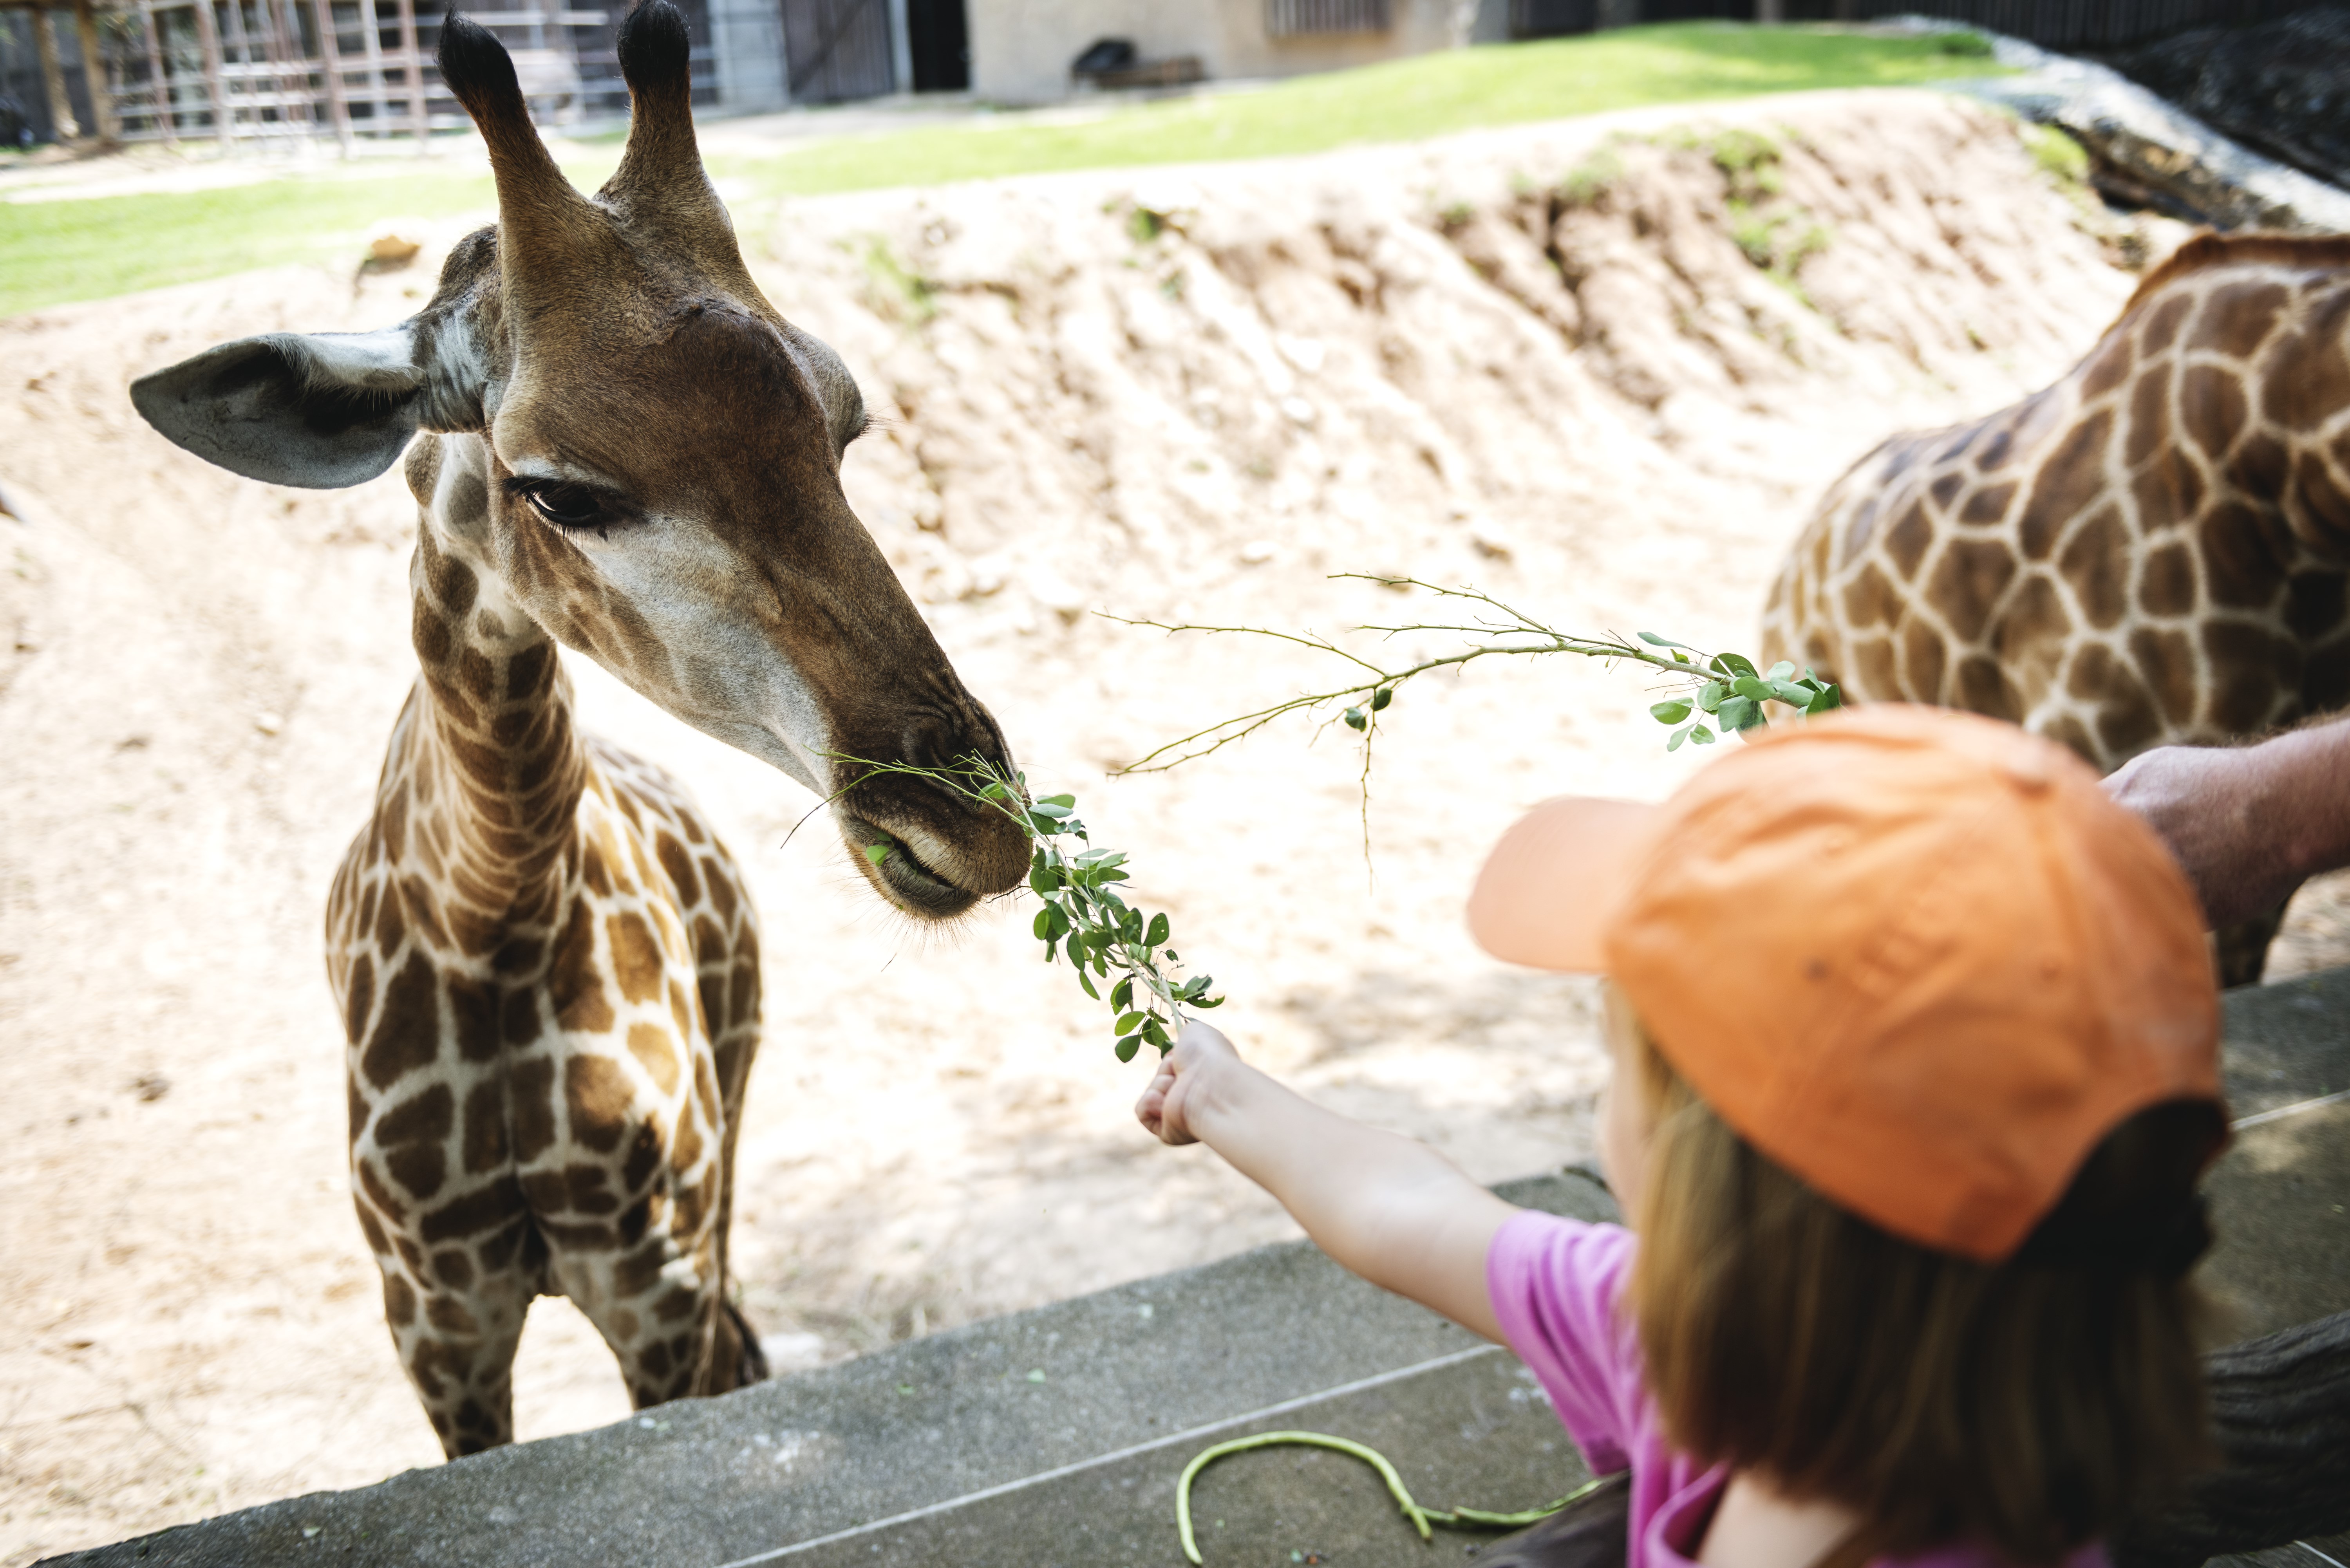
pixel 2151 550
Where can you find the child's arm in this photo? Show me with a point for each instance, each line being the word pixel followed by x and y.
pixel 1392 1211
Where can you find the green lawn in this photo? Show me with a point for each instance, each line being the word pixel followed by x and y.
pixel 53 251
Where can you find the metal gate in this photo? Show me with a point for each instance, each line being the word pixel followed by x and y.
pixel 837 49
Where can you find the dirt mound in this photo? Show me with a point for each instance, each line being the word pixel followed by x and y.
pixel 1600 369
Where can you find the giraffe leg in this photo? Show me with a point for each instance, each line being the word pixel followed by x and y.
pixel 669 1326
pixel 2243 949
pixel 458 1348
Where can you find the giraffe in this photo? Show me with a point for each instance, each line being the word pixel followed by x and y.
pixel 2152 550
pixel 546 964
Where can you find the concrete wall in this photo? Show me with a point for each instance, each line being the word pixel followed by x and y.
pixel 1021 49
pixel 746 45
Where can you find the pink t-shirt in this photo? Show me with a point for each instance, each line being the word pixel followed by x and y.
pixel 1554 1283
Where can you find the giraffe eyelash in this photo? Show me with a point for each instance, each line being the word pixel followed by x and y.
pixel 568 507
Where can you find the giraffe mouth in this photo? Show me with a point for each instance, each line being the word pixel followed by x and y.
pixel 899 875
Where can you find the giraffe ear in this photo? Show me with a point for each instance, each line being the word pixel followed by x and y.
pixel 320 411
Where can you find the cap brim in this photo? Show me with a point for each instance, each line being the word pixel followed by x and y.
pixel 1554 883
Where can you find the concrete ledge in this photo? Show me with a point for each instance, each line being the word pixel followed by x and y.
pixel 1054 1437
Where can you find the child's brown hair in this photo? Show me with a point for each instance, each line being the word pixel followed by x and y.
pixel 2028 1405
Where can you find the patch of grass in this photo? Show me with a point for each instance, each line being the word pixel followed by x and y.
pixel 54 252
pixel 2060 157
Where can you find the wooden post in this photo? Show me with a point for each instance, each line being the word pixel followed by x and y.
pixel 93 71
pixel 62 124
pixel 374 52
pixel 159 75
pixel 414 55
pixel 215 82
pixel 330 56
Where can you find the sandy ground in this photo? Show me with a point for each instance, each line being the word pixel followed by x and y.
pixel 1364 361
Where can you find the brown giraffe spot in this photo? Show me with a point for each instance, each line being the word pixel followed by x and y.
pixel 691 828
pixel 636 956
pixel 452 1268
pixel 712 987
pixel 519 955
pixel 367 908
pixel 2073 477
pixel 450 1316
pixel 598 1096
pixel 1945 489
pixel 652 1048
pixel 1967 582
pixel 624 1326
pixel 2308 377
pixel 359 1002
pixel 2165 581
pixel 722 888
pixel 2246 663
pixel 2326 678
pixel 391 929
pixel 1876 669
pixel 406 1034
pixel 689 1207
pixel 676 1303
pixel 2034 621
pixel 370 1229
pixel 2127 721
pixel 473 1006
pixel 627 800
pixel 1988 504
pixel 2211 408
pixel 1995 453
pixel 499 1249
pixel 454 712
pixel 639 1217
pixel 529 670
pixel 484 1208
pixel 421 1119
pixel 2236 318
pixel 730 1056
pixel 471 1417
pixel 391 823
pixel 399 1302
pixel 574 986
pixel 685 1144
pixel 2150 417
pixel 533 1087
pixel 2168 491
pixel 638 1273
pixel 416 898
pixel 519 1021
pixel 2092 670
pixel 391 1208
pixel 2096 562
pixel 743 1006
pixel 655 1360
pixel 429 634
pixel 1984 688
pixel 2161 324
pixel 2108 366
pixel 2241 565
pixel 2314 604
pixel 2259 470
pixel 644 1156
pixel 2066 732
pixel 1907 541
pixel 2320 511
pixel 410 1253
pixel 2165 662
pixel 677 861
pixel 1857 528
pixel 452 583
pixel 595 862
pixel 589 1189
pixel 589 1237
pixel 680 1009
pixel 544 1191
pixel 479 675
pixel 484 1147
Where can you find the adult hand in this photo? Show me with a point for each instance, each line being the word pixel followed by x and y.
pixel 2248 824
pixel 1197 1049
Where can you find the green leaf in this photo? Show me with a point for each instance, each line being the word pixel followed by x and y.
pixel 1709 696
pixel 1059 919
pixel 1734 664
pixel 996 792
pixel 1155 1031
pixel 1044 924
pixel 1207 1001
pixel 1830 699
pixel 1669 712
pixel 1159 932
pixel 1042 824
pixel 1382 698
pixel 1738 712
pixel 1122 994
pixel 1701 736
pixel 1128 1022
pixel 1355 720
pixel 1044 878
pixel 1653 641
pixel 1067 802
pixel 1680 735
pixel 1789 693
pixel 1127 1047
pixel 877 853
pixel 1781 670
pixel 1753 687
pixel 1087 984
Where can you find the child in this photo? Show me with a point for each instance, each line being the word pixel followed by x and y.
pixel 1916 1053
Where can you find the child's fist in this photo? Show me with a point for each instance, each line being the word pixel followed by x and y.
pixel 1165 1104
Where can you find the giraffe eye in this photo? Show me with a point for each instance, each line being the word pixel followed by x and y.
pixel 564 505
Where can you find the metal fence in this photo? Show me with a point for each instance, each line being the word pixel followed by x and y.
pixel 255 70
pixel 1299 19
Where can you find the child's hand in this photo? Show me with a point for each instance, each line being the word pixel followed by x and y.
pixel 1161 1107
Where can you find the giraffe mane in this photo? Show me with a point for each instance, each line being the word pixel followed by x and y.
pixel 2211 249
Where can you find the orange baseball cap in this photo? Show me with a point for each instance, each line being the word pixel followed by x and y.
pixel 1918 958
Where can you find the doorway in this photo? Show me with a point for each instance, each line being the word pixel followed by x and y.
pixel 939 37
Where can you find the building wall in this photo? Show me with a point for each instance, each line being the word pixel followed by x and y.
pixel 1021 49
pixel 747 39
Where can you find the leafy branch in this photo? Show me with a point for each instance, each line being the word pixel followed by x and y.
pixel 1084 916
pixel 1726 689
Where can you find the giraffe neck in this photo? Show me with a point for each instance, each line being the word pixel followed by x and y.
pixel 485 768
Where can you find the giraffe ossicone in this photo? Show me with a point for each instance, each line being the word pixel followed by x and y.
pixel 547 965
pixel 2153 550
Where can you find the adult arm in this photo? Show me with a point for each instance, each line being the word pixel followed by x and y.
pixel 2249 824
pixel 1390 1209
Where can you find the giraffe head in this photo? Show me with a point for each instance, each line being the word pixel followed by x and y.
pixel 634 449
